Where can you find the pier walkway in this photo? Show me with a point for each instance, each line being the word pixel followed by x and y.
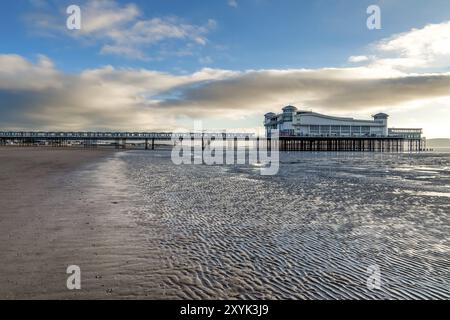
pixel 147 140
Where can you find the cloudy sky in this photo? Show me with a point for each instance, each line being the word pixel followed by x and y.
pixel 160 65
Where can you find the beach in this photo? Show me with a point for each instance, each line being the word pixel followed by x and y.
pixel 139 226
pixel 56 212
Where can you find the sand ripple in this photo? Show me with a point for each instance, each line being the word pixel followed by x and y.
pixel 308 233
pixel 141 227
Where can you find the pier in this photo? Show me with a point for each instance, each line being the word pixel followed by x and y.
pixel 118 140
pixel 150 140
pixel 354 144
pixel 83 139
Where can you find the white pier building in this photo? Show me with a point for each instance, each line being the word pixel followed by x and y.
pixel 296 123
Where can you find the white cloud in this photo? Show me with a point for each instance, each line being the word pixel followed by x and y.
pixel 148 32
pixel 356 59
pixel 427 48
pixel 39 3
pixel 123 30
pixel 206 60
pixel 124 51
pixel 233 3
pixel 16 73
pixel 105 15
pixel 96 99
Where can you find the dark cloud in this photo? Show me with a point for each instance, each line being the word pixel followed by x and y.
pixel 333 89
pixel 37 96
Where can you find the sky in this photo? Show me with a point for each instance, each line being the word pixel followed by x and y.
pixel 161 65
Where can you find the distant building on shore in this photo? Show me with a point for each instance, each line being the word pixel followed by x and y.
pixel 293 122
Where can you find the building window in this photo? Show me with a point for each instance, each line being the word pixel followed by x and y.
pixel 325 130
pixel 365 130
pixel 314 129
pixel 335 130
pixel 345 129
pixel 356 129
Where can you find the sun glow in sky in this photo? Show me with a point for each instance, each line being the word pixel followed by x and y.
pixel 160 65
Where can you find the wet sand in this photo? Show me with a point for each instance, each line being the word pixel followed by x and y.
pixel 56 211
pixel 140 227
pixel 310 232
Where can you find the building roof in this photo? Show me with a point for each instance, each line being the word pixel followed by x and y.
pixel 289 108
pixel 315 114
pixel 381 115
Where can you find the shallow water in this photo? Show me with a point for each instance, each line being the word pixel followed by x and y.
pixel 310 232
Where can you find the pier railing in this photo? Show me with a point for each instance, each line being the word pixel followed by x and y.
pixel 119 135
